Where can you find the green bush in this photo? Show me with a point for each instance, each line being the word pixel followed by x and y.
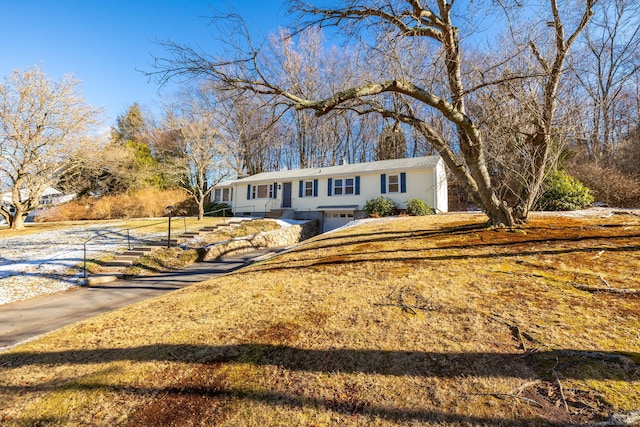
pixel 418 207
pixel 217 208
pixel 562 192
pixel 380 206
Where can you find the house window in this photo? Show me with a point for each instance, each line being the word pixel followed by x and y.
pixel 263 191
pixel 343 186
pixel 393 184
pixel 222 194
pixel 308 189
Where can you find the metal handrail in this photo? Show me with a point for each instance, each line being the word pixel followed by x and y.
pixel 223 210
pixel 271 200
pixel 128 230
pixel 135 228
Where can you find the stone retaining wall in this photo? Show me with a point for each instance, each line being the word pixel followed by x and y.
pixel 286 236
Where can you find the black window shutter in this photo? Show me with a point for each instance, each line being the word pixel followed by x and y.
pixel 315 188
pixel 330 185
pixel 357 185
pixel 383 183
pixel 403 182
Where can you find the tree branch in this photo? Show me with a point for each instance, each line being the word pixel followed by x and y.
pixel 334 17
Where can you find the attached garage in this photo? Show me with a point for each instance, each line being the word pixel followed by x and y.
pixel 337 216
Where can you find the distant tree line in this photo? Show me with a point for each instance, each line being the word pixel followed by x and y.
pixel 546 91
pixel 557 88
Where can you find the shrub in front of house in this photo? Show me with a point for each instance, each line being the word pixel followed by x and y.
pixel 562 192
pixel 418 207
pixel 380 206
pixel 218 209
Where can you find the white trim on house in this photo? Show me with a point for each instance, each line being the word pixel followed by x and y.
pixel 343 188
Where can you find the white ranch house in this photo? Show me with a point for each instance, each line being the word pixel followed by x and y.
pixel 335 195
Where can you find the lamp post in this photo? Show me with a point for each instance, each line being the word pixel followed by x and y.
pixel 169 210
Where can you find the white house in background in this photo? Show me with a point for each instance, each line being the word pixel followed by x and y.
pixel 49 197
pixel 335 195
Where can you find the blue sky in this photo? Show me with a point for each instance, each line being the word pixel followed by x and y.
pixel 104 43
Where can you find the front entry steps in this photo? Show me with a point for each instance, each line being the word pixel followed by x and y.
pixel 284 213
pixel 112 270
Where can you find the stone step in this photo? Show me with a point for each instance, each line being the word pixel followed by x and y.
pixel 107 267
pixel 274 213
pixel 117 264
pixel 189 235
pixel 135 253
pixel 232 223
pixel 162 243
pixel 124 257
pixel 145 249
pixel 96 279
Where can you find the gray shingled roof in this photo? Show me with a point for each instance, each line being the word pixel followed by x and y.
pixel 341 170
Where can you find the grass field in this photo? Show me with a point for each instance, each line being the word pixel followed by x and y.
pixel 414 321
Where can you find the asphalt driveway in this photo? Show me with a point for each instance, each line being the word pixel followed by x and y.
pixel 24 320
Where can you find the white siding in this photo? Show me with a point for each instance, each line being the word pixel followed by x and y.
pixel 427 183
pixel 441 191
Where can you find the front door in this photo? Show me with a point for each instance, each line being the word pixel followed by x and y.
pixel 286 194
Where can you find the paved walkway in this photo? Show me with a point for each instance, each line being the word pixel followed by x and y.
pixel 23 320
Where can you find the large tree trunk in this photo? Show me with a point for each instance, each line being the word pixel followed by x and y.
pixel 16 221
pixel 200 209
pixel 477 184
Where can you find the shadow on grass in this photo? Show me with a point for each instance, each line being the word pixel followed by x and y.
pixel 202 390
pixel 378 362
pixel 195 403
pixel 519 245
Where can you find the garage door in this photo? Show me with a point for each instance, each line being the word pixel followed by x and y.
pixel 336 219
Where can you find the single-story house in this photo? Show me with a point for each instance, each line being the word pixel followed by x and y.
pixel 335 195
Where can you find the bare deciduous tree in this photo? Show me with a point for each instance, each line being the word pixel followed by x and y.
pixel 44 124
pixel 432 22
pixel 608 62
pixel 200 162
pixel 251 132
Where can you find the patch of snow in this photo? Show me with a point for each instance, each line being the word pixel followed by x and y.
pixel 52 261
pixel 365 221
pixel 603 212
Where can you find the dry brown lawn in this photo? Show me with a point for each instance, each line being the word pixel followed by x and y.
pixel 413 321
